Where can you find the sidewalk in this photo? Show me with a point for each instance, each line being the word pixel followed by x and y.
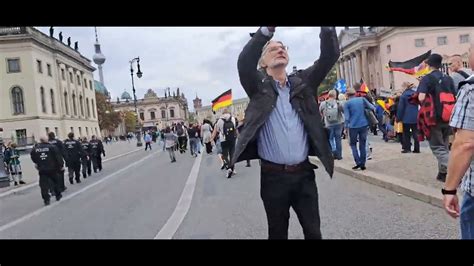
pixel 30 174
pixel 410 174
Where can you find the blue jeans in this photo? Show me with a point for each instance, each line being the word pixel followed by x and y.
pixel 193 144
pixel 335 132
pixel 467 217
pixel 360 134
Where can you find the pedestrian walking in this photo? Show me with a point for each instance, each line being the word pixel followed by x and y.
pixel 170 142
pixel 74 152
pixel 97 150
pixel 437 90
pixel 60 147
pixel 357 122
pixel 48 162
pixel 147 140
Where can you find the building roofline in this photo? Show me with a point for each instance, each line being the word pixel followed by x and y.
pixel 19 34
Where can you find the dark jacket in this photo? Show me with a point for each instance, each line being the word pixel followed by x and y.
pixel 406 111
pixel 47 157
pixel 59 145
pixel 263 94
pixel 73 151
pixel 86 146
pixel 96 148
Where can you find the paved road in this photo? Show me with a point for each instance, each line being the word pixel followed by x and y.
pixel 136 194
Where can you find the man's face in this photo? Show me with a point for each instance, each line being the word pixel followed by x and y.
pixel 275 55
pixel 455 63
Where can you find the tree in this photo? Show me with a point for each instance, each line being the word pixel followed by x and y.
pixel 108 119
pixel 130 121
pixel 328 82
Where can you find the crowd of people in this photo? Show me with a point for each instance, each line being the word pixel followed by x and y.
pixel 216 138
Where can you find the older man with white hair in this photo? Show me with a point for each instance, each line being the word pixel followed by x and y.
pixel 283 127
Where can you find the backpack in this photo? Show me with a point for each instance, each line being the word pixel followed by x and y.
pixel 444 99
pixel 179 130
pixel 332 112
pixel 229 130
pixel 462 73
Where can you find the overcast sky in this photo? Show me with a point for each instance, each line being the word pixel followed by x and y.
pixel 200 60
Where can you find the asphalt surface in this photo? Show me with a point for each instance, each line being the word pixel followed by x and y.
pixel 135 195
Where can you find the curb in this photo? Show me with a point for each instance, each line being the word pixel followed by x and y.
pixel 410 189
pixel 15 190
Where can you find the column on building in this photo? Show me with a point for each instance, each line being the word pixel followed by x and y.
pixel 343 74
pixel 358 65
pixel 351 69
pixel 338 73
pixel 355 69
pixel 365 65
pixel 348 70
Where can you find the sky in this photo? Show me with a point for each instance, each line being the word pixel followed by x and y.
pixel 199 61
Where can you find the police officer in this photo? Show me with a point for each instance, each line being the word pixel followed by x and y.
pixel 86 158
pixel 74 152
pixel 49 162
pixel 59 145
pixel 96 150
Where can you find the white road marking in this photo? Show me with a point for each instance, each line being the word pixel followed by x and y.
pixel 182 208
pixel 43 209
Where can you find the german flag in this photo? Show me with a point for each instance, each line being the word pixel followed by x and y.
pixel 415 67
pixel 364 87
pixel 223 100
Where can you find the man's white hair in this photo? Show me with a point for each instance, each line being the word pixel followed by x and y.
pixel 332 93
pixel 265 51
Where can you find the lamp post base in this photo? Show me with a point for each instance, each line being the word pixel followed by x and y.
pixel 139 139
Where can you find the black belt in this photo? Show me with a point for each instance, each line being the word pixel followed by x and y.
pixel 274 167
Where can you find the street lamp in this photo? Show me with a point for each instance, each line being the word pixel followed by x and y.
pixel 139 75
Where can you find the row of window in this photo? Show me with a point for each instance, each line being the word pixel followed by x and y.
pixel 153 116
pixel 19 103
pixel 441 40
pixel 81 102
pixel 78 79
pixel 13 66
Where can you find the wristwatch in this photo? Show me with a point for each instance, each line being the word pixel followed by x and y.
pixel 448 192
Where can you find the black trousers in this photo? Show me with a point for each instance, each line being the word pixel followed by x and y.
pixel 86 167
pixel 410 130
pixel 228 148
pixel 96 162
pixel 74 169
pixel 280 191
pixel 148 144
pixel 49 180
pixel 208 148
pixel 182 144
pixel 60 179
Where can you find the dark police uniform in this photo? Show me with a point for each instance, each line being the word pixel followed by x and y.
pixel 96 150
pixel 49 162
pixel 86 159
pixel 73 152
pixel 59 145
